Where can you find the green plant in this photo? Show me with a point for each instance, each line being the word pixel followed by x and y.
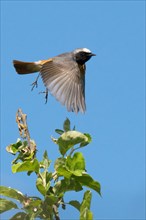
pixel 69 175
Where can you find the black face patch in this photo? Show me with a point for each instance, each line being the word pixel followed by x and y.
pixel 82 57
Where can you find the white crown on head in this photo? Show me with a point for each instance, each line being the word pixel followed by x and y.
pixel 82 50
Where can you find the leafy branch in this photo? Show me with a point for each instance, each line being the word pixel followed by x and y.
pixel 69 175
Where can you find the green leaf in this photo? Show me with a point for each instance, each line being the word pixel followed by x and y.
pixel 76 164
pixel 89 215
pixel 87 141
pixel 45 156
pixel 87 180
pixel 48 177
pixel 60 167
pixel 59 131
pixel 85 213
pixel 41 188
pixel 33 207
pixel 12 193
pixel 66 125
pixel 14 148
pixel 45 163
pixel 71 165
pixel 23 149
pixel 60 162
pixel 75 204
pixel 62 171
pixel 51 199
pixel 26 166
pixel 35 203
pixel 70 138
pixel 47 206
pixel 66 185
pixel 44 178
pixel 43 183
pixel 6 205
pixel 19 216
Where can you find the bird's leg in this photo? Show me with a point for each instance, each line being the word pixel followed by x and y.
pixel 35 83
pixel 46 95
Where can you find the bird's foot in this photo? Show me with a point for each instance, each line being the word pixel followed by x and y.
pixel 35 83
pixel 46 95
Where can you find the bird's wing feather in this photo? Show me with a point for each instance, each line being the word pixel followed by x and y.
pixel 65 79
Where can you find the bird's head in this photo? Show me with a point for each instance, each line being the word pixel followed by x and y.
pixel 82 55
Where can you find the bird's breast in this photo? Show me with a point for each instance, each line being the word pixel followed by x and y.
pixel 82 69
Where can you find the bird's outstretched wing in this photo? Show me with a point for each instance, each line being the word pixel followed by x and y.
pixel 65 80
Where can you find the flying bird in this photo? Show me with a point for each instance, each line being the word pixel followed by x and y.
pixel 63 76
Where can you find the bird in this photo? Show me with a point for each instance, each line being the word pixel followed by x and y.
pixel 63 76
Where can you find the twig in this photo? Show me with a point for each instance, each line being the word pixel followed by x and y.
pixel 55 210
pixel 21 120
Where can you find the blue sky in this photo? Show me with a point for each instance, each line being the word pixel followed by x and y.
pixel 114 30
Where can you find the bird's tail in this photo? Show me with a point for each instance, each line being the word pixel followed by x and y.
pixel 27 67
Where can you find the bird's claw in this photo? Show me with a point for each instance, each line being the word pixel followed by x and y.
pixel 46 96
pixel 35 83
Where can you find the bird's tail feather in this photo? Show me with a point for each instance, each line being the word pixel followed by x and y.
pixel 26 67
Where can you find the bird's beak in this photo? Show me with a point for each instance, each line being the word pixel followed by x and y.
pixel 92 54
